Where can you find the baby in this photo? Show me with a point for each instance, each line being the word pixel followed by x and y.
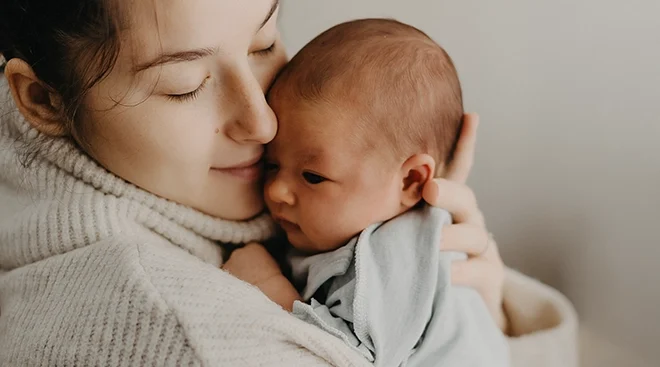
pixel 369 111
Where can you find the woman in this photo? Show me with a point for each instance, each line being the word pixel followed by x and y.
pixel 135 153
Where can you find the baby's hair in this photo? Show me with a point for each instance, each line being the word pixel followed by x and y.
pixel 400 82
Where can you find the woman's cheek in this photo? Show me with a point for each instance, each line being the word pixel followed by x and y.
pixel 267 71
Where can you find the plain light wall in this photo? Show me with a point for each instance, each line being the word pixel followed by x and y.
pixel 567 169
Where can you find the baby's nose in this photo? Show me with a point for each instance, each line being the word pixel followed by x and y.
pixel 279 192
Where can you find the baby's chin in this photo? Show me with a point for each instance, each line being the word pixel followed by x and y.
pixel 300 242
pixel 303 244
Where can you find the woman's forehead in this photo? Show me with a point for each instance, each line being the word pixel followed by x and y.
pixel 170 26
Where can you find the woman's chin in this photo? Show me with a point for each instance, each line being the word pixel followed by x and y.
pixel 237 210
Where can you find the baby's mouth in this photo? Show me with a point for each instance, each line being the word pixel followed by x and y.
pixel 287 226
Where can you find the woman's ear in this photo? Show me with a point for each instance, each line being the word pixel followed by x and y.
pixel 40 106
pixel 416 172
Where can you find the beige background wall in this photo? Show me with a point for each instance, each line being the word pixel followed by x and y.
pixel 568 169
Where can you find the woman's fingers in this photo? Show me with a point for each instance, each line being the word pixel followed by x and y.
pixel 487 278
pixel 472 240
pixel 467 238
pixel 484 272
pixel 461 165
pixel 456 198
pixel 471 273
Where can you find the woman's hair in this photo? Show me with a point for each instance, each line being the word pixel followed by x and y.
pixel 70 44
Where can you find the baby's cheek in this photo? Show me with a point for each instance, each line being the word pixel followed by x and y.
pixel 351 223
pixel 333 228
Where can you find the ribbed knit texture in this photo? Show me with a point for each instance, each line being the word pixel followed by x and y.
pixel 97 272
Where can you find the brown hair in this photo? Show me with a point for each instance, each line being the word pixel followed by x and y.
pixel 70 44
pixel 392 74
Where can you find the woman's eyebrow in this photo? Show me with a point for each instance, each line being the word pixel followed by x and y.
pixel 272 10
pixel 176 57
pixel 191 55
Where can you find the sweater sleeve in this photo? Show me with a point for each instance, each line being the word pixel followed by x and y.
pixel 153 304
pixel 543 324
pixel 230 323
pixel 88 307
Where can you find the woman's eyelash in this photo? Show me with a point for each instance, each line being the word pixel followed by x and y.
pixel 186 97
pixel 266 51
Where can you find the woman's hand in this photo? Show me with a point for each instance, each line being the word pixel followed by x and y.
pixel 483 270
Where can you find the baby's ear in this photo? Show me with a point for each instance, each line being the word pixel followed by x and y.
pixel 416 172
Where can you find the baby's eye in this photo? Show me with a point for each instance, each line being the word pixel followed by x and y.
pixel 313 178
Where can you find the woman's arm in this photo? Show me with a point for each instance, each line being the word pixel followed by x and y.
pixel 136 300
pixel 541 323
pixel 483 270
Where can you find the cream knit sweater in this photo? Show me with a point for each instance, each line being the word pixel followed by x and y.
pixel 96 272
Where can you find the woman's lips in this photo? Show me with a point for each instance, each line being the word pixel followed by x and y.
pixel 250 170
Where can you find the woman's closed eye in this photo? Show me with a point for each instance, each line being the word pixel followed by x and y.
pixel 189 96
pixel 313 178
pixel 266 51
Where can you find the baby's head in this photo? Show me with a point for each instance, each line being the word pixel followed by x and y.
pixel 368 112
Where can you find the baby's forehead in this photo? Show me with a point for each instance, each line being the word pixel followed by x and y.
pixel 322 137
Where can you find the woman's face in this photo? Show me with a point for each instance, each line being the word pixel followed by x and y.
pixel 183 113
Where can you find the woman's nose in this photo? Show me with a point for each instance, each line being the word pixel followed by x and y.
pixel 253 120
pixel 279 192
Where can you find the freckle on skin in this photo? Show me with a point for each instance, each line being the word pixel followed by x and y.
pixel 217 130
